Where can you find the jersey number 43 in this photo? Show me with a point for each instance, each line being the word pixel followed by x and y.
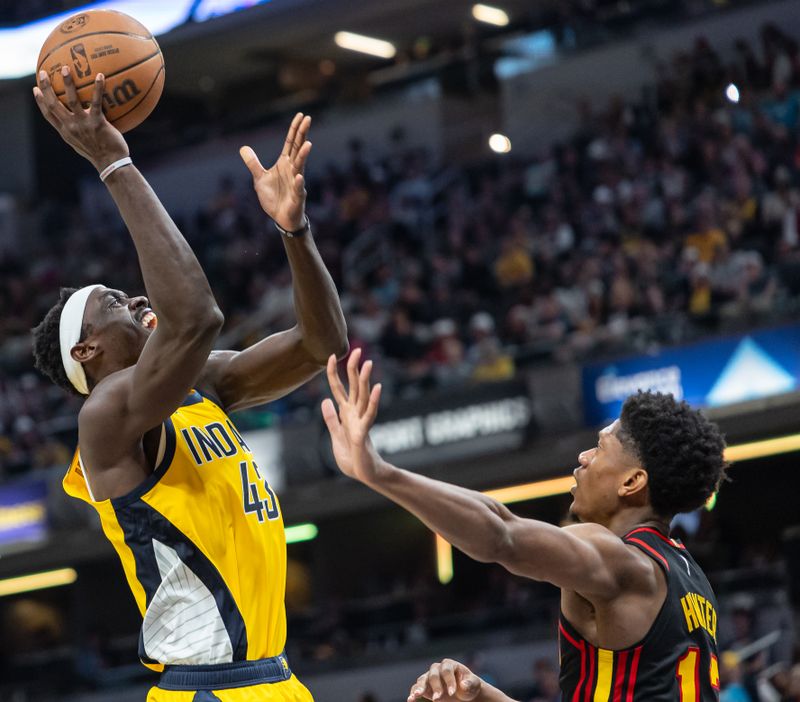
pixel 253 501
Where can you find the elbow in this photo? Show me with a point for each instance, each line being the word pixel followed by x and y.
pixel 215 318
pixel 209 321
pixel 498 546
pixel 204 326
pixel 504 549
pixel 341 346
pixel 337 344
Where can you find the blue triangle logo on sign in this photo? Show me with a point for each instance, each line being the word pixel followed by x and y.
pixel 751 373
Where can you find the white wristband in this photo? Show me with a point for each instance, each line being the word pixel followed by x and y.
pixel 108 170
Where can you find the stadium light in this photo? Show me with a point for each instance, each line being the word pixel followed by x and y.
pixel 763 448
pixel 301 532
pixel 490 15
pixel 365 45
pixel 37 581
pixel 500 143
pixel 561 486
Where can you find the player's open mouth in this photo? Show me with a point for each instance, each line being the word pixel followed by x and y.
pixel 149 320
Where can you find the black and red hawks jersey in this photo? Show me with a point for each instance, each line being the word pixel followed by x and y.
pixel 677 659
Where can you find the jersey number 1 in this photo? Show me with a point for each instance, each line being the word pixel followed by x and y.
pixel 252 499
pixel 688 674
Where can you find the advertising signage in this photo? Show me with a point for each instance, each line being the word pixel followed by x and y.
pixel 711 373
pixel 23 512
pixel 459 423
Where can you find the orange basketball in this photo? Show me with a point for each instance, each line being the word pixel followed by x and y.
pixel 119 47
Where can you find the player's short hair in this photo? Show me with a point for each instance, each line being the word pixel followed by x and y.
pixel 679 447
pixel 47 344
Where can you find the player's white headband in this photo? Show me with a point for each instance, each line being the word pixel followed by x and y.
pixel 69 334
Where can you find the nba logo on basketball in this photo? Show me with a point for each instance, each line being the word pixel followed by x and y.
pixel 80 61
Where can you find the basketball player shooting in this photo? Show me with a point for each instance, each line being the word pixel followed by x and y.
pixel 638 618
pixel 196 526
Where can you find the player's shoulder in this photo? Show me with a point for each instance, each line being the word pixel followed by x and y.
pixel 212 378
pixel 589 531
pixel 103 436
pixel 220 356
pixel 215 365
pixel 629 562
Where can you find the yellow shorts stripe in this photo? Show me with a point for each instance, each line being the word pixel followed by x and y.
pixel 605 668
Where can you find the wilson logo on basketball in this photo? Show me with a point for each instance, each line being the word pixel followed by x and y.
pixel 121 94
pixel 124 92
pixel 74 23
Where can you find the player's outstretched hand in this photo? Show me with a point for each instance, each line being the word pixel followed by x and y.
pixel 349 427
pixel 281 189
pixel 85 130
pixel 447 681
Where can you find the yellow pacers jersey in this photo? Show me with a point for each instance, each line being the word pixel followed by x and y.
pixel 202 544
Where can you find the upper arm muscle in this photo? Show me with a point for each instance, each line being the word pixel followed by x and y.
pixel 261 373
pixel 586 558
pixel 168 367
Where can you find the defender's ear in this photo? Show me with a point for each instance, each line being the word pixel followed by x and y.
pixel 635 482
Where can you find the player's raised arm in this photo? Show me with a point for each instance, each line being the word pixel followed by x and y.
pixel 138 399
pixel 283 361
pixel 589 559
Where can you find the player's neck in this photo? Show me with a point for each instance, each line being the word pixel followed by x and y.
pixel 630 519
pixel 102 366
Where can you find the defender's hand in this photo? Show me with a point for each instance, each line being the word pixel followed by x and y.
pixel 85 130
pixel 447 681
pixel 349 429
pixel 281 189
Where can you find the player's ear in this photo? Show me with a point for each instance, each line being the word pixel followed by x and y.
pixel 635 483
pixel 84 351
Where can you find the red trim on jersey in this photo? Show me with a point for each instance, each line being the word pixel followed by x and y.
pixel 620 677
pixel 576 644
pixel 577 696
pixel 650 549
pixel 590 682
pixel 661 536
pixel 634 669
pixel 580 645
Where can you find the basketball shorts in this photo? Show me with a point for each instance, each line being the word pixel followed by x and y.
pixel 265 680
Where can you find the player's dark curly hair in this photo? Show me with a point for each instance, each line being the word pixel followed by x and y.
pixel 47 346
pixel 678 446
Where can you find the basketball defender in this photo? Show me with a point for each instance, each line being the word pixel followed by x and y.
pixel 196 526
pixel 638 618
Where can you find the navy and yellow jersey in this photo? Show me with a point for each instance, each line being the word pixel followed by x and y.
pixel 202 544
pixel 675 662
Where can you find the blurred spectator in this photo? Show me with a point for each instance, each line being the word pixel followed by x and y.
pixel 730 677
pixel 485 355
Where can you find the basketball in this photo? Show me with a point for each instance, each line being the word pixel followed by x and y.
pixel 119 47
